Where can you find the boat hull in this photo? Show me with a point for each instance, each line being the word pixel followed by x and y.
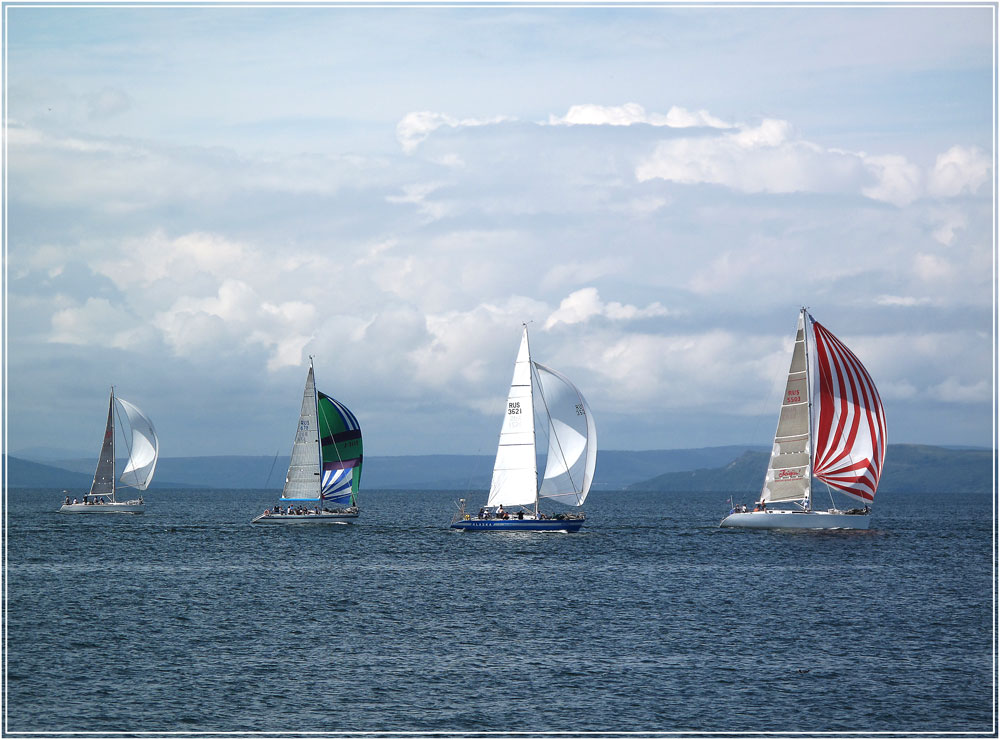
pixel 288 519
pixel 518 525
pixel 796 520
pixel 118 507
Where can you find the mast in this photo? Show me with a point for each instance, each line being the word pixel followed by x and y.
pixel 809 406
pixel 114 474
pixel 319 435
pixel 531 393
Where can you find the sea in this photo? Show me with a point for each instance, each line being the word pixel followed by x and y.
pixel 651 620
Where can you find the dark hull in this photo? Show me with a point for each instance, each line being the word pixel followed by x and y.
pixel 519 525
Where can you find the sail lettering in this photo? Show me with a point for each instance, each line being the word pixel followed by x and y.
pixel 513 407
pixel 793 395
pixel 786 474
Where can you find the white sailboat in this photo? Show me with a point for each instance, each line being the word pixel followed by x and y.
pixel 324 472
pixel 515 491
pixel 832 429
pixel 143 448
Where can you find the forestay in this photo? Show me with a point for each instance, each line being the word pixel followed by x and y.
pixel 144 448
pixel 572 450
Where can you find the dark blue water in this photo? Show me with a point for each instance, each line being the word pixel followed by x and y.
pixel 651 619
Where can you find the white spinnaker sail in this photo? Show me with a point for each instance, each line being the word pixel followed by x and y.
pixel 572 453
pixel 788 473
pixel 144 448
pixel 104 476
pixel 303 479
pixel 515 474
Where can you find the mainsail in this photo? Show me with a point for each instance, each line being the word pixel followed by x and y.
pixel 303 480
pixel 340 437
pixel 104 476
pixel 832 424
pixel 787 476
pixel 144 448
pixel 571 455
pixel 515 476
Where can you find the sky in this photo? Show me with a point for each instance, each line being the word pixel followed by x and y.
pixel 199 198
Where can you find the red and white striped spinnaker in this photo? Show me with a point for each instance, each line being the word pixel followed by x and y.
pixel 849 432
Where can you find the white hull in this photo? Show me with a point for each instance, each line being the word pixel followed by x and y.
pixel 304 518
pixel 796 520
pixel 117 507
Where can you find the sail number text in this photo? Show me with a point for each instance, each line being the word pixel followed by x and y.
pixel 513 407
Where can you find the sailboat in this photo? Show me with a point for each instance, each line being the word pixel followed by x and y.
pixel 143 448
pixel 570 459
pixel 831 428
pixel 324 473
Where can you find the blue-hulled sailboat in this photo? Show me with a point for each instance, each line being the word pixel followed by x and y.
pixel 515 491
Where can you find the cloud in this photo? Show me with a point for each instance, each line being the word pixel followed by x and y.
pixel 958 171
pixel 933 269
pixel 898 181
pixel 907 301
pixel 417 126
pixel 95 322
pixel 770 158
pixel 417 194
pixel 953 390
pixel 238 315
pixel 633 113
pixel 584 304
pixel 760 159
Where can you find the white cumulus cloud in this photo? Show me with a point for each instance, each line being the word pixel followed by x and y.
pixel 633 113
pixel 957 171
pixel 584 304
pixel 417 126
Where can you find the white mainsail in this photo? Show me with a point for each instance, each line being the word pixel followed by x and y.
pixel 788 473
pixel 303 479
pixel 144 449
pixel 515 474
pixel 572 438
pixel 572 453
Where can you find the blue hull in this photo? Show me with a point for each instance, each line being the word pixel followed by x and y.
pixel 519 525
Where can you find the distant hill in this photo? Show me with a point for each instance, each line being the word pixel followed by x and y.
pixel 615 469
pixel 908 468
pixel 733 468
pixel 29 474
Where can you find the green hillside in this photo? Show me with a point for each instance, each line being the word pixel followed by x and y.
pixel 913 468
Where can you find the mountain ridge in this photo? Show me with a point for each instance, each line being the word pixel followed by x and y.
pixel 729 468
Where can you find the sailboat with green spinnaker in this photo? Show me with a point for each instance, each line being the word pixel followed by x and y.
pixel 324 472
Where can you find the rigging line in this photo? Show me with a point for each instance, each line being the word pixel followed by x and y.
pixel 552 432
pixel 272 468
